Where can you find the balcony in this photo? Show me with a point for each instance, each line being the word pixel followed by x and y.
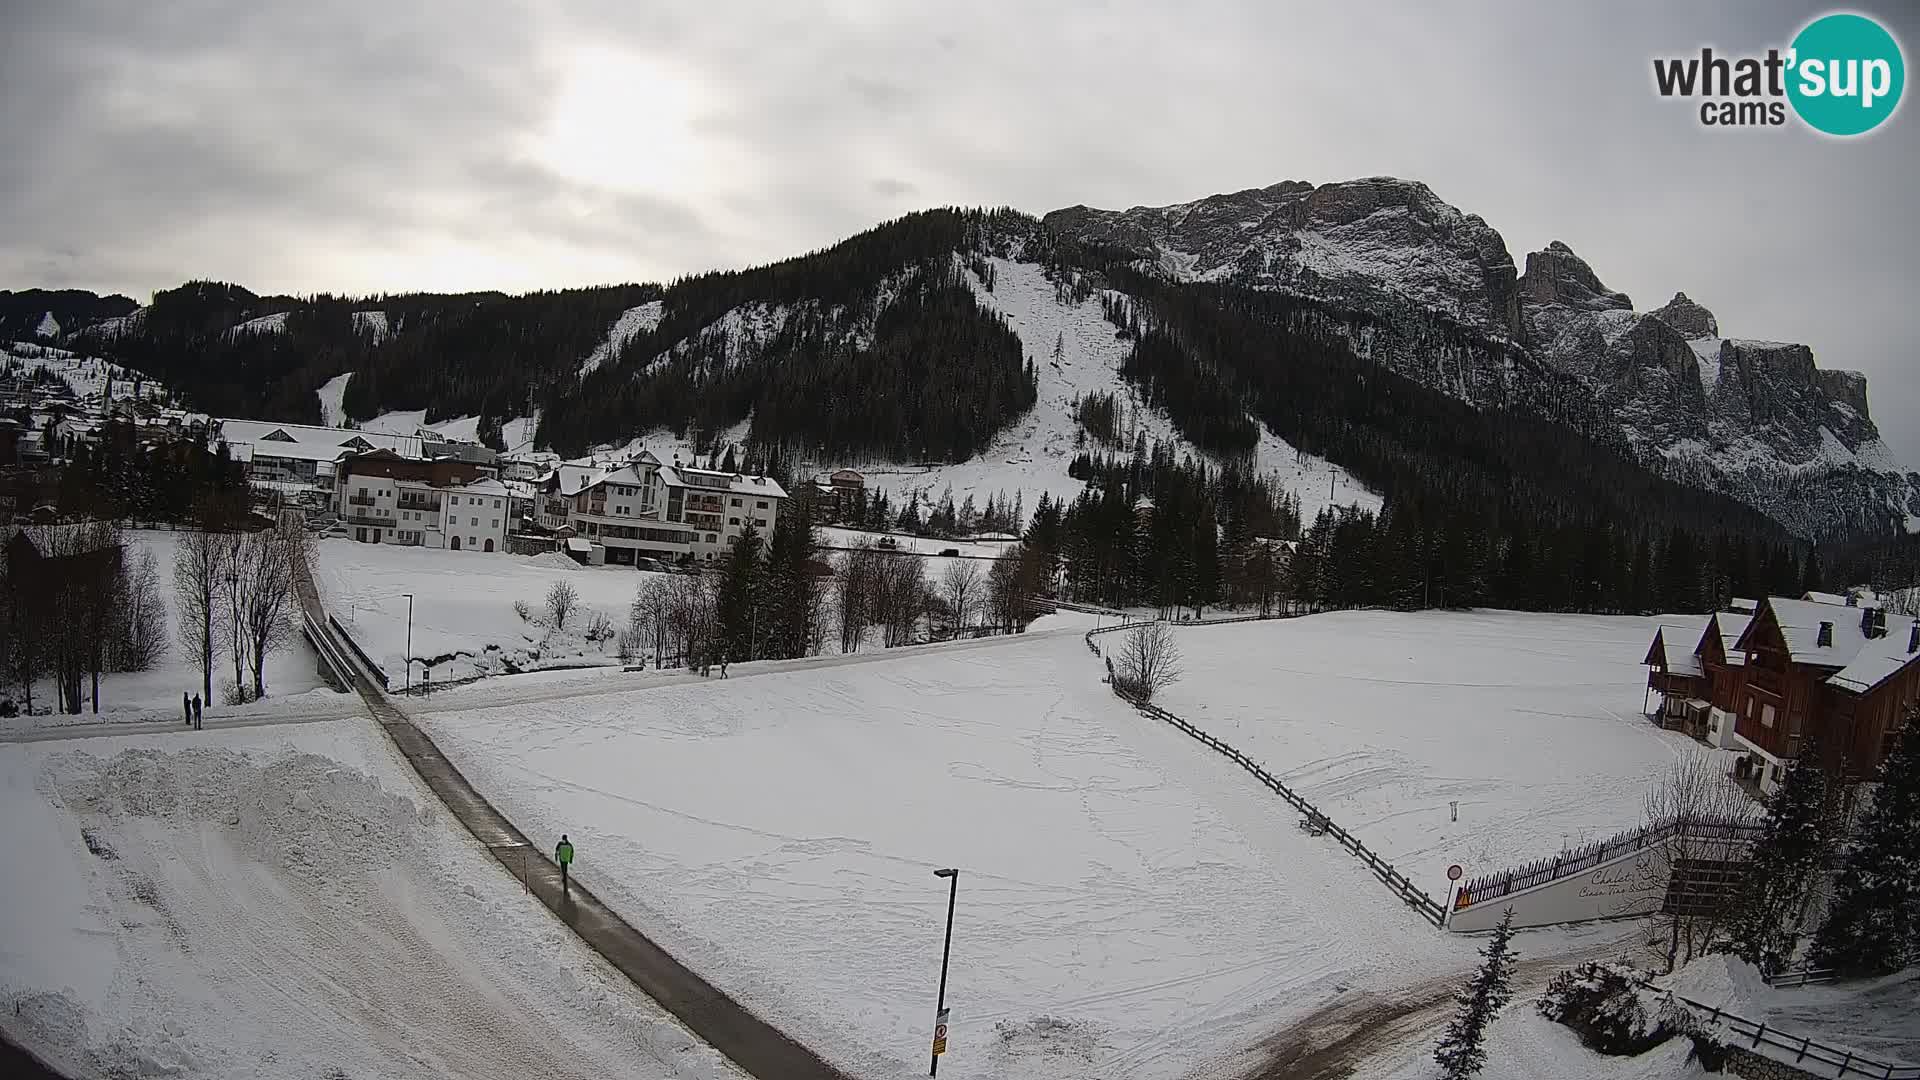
pixel 368 519
pixel 419 504
pixel 360 500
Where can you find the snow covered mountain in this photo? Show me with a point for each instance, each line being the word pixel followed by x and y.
pixel 1756 420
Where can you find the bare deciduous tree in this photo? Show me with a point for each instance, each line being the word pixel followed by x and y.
pixel 1149 660
pixel 198 570
pixel 858 572
pixel 265 580
pixel 961 586
pixel 562 600
pixel 142 616
pixel 1699 800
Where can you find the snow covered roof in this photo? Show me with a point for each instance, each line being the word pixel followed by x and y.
pixel 1824 598
pixel 580 544
pixel 572 479
pixel 1800 622
pixel 1731 627
pixel 488 486
pixel 1676 643
pixel 1877 661
pixel 1741 603
pixel 690 477
pixel 277 440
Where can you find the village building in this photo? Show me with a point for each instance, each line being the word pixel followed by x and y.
pixel 385 498
pixel 645 510
pixel 1836 671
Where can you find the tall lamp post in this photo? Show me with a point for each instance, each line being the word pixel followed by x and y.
pixel 946 952
pixel 409 597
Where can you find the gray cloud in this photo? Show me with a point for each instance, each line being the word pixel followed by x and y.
pixel 369 146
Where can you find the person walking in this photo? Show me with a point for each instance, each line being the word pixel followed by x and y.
pixel 196 712
pixel 563 854
pixel 186 708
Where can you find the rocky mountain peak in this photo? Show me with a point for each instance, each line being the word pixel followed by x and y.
pixel 1555 275
pixel 1372 242
pixel 1692 320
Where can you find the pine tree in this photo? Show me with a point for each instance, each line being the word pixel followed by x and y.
pixel 1786 863
pixel 735 606
pixel 1462 1051
pixel 1873 924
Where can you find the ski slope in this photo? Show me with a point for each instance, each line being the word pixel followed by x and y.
pixel 238 904
pixel 1532 723
pixel 1127 907
pixel 1033 453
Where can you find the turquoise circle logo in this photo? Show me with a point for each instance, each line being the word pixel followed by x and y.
pixel 1847 74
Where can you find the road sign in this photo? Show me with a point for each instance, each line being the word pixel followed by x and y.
pixel 940 1034
pixel 1454 872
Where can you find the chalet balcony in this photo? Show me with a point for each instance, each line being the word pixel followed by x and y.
pixel 431 506
pixel 360 500
pixel 1772 682
pixel 353 518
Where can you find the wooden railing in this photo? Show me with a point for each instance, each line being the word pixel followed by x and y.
pixel 1803 1049
pixel 1312 818
pixel 1568 863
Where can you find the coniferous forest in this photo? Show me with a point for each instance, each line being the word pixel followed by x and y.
pixel 877 349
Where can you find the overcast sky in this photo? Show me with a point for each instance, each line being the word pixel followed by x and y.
pixel 378 146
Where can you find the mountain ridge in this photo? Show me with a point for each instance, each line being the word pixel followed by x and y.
pixel 1437 294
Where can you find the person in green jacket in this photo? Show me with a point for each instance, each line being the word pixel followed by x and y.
pixel 563 854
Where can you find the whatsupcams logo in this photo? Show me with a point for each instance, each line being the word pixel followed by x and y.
pixel 1842 76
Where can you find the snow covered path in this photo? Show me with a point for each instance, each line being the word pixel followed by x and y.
pixel 289 902
pixel 1129 906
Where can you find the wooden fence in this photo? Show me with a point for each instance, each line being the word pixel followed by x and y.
pixel 1577 860
pixel 1804 1050
pixel 1312 818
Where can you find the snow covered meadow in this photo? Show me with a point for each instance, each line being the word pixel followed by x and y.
pixel 1532 723
pixel 463 616
pixel 1128 907
pixel 288 902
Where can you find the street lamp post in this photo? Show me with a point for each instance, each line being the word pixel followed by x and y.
pixel 946 952
pixel 409 597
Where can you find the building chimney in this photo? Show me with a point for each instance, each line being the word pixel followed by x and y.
pixel 1913 638
pixel 1853 600
pixel 1866 623
pixel 1825 640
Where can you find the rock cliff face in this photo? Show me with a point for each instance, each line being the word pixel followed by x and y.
pixel 1755 419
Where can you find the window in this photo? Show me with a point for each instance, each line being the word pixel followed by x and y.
pixel 470 541
pixel 761 505
pixel 733 521
pixel 363 491
pixel 1766 716
pixel 475 522
pixel 736 502
pixel 762 522
pixel 494 524
pixel 712 539
pixel 454 500
pixel 496 504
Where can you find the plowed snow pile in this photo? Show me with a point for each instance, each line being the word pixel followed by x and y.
pixel 248 904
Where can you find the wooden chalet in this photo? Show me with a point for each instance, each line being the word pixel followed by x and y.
pixel 1769 682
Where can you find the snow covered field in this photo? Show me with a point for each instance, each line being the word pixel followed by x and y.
pixel 155 694
pixel 463 617
pixel 288 902
pixel 1532 723
pixel 1127 907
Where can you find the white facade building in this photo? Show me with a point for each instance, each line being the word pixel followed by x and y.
pixel 385 499
pixel 646 510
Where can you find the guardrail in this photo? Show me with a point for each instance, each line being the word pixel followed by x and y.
pixel 1786 980
pixel 1848 1062
pixel 1578 860
pixel 372 668
pixel 1314 820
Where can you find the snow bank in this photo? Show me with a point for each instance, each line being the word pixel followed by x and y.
pixel 240 904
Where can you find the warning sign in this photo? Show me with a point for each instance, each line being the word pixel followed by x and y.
pixel 940 1034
